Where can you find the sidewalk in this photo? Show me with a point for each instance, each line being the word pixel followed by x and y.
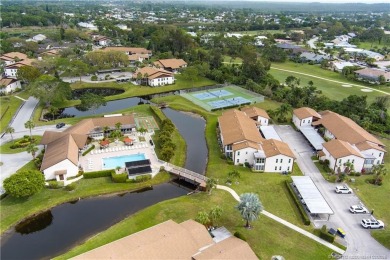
pixel 287 224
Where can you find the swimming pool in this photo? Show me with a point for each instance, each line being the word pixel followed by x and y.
pixel 113 162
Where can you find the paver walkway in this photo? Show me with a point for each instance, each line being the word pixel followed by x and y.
pixel 286 223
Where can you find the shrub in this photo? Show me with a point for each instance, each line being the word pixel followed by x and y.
pixel 324 234
pixel 89 149
pixel 304 216
pixel 94 78
pixel 223 156
pixel 24 183
pixel 142 178
pixel 119 178
pixel 98 174
pixel 54 185
pixel 71 186
pixel 239 235
pixel 247 165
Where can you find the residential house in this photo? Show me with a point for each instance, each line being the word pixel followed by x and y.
pixel 372 75
pixel 241 141
pixel 339 65
pixel 356 142
pixel 62 149
pixel 341 155
pixel 304 116
pixel 129 50
pixel 364 53
pixel 37 38
pixel 170 240
pixel 9 85
pixel 153 77
pixel 133 58
pixel 259 115
pixel 173 65
pixel 312 57
pixel 101 40
pixel 12 70
pixel 13 57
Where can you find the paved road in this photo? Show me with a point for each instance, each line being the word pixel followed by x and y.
pixel 331 80
pixel 24 114
pixel 101 77
pixel 359 241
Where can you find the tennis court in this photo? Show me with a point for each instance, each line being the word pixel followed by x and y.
pixel 223 97
pixel 146 122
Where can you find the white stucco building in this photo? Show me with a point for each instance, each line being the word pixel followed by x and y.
pixel 304 116
pixel 9 85
pixel 153 77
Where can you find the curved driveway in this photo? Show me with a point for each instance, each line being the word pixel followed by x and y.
pixel 359 241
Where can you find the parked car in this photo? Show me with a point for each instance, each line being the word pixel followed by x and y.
pixel 372 223
pixel 341 232
pixel 60 125
pixel 358 209
pixel 343 189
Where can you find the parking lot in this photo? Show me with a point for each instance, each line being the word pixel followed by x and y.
pixel 359 241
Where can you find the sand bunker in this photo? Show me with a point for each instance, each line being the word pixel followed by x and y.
pixel 346 86
pixel 366 90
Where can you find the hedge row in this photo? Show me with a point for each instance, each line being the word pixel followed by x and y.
pixel 142 178
pixel 98 174
pixel 305 218
pixel 119 178
pixel 160 115
pixel 89 149
pixel 325 235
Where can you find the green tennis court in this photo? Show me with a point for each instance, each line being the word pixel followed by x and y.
pixel 224 97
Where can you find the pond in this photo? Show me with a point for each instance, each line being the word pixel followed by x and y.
pixel 56 231
pixel 77 93
pixel 110 107
pixel 192 128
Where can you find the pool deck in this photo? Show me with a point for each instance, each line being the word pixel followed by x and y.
pixel 93 161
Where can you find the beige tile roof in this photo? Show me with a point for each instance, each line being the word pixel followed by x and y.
pixel 370 72
pixel 255 111
pixel 167 240
pixel 13 55
pixel 305 112
pixel 236 127
pixel 131 50
pixel 345 129
pixel 245 144
pixel 170 63
pixel 6 81
pixel 231 248
pixel 274 147
pixel 153 73
pixel 367 145
pixel 60 150
pixel 78 133
pixel 339 149
pixel 136 57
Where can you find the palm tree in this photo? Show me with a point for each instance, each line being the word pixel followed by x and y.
pixel 282 111
pixel 379 170
pixel 31 148
pixel 215 214
pixel 210 184
pixel 234 175
pixel 249 207
pixel 105 130
pixel 10 130
pixel 203 218
pixel 30 125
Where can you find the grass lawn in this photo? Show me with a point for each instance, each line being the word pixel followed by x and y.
pixel 266 238
pixel 6 148
pixel 8 107
pixel 330 89
pixel 13 210
pixel 370 45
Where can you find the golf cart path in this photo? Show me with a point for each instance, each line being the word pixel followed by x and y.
pixel 331 80
pixel 286 223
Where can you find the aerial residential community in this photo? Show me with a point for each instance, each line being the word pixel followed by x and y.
pixel 194 129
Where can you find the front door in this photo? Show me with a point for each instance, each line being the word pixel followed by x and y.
pixel 61 177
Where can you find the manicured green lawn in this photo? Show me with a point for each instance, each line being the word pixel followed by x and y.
pixel 13 210
pixel 8 107
pixel 266 238
pixel 370 45
pixel 6 148
pixel 330 89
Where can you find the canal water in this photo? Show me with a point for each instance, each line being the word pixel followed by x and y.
pixel 192 128
pixel 56 231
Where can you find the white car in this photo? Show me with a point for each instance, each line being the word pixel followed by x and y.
pixel 372 223
pixel 358 209
pixel 343 189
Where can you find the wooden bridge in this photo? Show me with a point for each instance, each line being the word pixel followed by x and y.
pixel 187 174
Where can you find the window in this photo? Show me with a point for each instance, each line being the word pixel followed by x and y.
pixel 380 154
pixel 260 160
pixel 289 160
pixel 238 153
pixel 340 161
pixel 246 152
pixel 229 147
pixel 353 160
pixel 238 160
pixel 280 168
pixel 308 121
pixel 276 160
pixel 303 121
pixel 288 168
pixel 276 168
pixel 281 160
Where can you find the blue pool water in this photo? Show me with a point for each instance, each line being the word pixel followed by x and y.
pixel 113 162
